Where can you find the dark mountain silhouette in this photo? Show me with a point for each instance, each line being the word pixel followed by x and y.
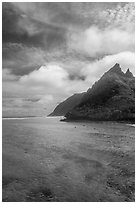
pixel 128 73
pixel 67 105
pixel 112 97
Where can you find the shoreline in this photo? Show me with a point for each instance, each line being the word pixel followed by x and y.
pixel 97 121
pixel 67 120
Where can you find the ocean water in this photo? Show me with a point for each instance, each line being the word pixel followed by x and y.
pixel 48 160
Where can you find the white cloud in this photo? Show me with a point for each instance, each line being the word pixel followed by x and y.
pixel 50 75
pixel 96 42
pixel 39 92
pixel 95 70
pixel 7 76
pixel 52 80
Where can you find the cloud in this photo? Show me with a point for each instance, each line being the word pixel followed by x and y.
pixel 66 14
pixel 55 13
pixel 55 80
pixel 45 100
pixel 96 42
pixel 21 59
pixel 65 33
pixel 44 88
pixel 20 107
pixel 7 76
pixel 10 18
pixel 50 75
pixel 20 27
pixel 122 16
pixel 52 50
pixel 95 70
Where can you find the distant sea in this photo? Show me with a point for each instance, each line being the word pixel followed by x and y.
pixel 50 117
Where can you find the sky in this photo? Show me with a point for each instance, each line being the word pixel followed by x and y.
pixel 52 50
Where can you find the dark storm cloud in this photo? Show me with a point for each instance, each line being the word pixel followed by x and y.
pixel 14 30
pixel 21 59
pixel 43 30
pixel 45 24
pixel 23 36
pixel 10 18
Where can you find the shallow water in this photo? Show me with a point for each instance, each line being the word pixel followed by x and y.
pixel 48 160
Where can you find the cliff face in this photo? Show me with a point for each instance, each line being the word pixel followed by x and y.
pixel 67 105
pixel 110 98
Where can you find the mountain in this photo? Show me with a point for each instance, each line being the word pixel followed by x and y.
pixel 67 105
pixel 112 97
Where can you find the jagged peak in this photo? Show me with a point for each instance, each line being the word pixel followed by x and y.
pixel 117 65
pixel 116 69
pixel 128 73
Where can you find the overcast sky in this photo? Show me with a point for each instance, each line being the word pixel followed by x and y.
pixel 53 50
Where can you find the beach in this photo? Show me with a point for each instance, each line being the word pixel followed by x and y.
pixel 48 160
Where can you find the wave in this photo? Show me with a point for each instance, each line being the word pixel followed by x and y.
pixel 132 125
